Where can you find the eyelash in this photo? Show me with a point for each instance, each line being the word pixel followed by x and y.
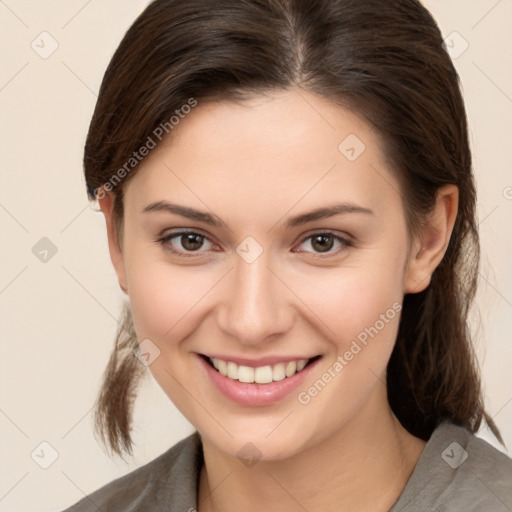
pixel 164 241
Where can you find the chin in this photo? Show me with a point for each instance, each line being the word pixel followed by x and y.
pixel 254 443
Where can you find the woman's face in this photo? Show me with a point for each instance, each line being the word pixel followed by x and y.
pixel 263 280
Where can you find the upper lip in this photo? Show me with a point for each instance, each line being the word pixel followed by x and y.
pixel 262 361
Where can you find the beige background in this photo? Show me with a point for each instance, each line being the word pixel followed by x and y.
pixel 58 317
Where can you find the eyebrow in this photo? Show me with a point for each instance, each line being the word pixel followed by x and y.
pixel 214 220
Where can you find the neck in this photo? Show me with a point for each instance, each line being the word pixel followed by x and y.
pixel 363 466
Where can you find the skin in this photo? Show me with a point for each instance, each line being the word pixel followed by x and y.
pixel 254 165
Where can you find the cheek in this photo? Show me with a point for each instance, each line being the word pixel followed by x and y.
pixel 362 310
pixel 369 298
pixel 163 296
pixel 350 300
pixel 165 302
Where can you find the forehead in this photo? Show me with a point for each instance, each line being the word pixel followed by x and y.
pixel 285 148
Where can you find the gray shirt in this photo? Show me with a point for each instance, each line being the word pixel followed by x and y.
pixel 457 472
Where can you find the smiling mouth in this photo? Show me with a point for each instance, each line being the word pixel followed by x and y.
pixel 261 374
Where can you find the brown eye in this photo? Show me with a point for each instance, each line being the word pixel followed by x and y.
pixel 192 241
pixel 324 242
pixel 184 243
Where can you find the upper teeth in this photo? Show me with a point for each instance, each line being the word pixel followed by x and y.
pixel 261 374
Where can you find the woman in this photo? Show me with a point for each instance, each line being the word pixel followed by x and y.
pixel 290 208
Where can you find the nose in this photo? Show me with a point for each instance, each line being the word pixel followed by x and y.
pixel 257 306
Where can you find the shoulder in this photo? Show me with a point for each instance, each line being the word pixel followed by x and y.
pixel 458 471
pixel 168 482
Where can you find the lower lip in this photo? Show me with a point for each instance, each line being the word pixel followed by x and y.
pixel 253 394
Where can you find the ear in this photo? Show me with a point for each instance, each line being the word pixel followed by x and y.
pixel 429 246
pixel 106 203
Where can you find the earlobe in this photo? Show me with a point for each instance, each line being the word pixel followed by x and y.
pixel 429 246
pixel 106 203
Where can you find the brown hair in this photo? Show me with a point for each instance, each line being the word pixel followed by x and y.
pixel 384 60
